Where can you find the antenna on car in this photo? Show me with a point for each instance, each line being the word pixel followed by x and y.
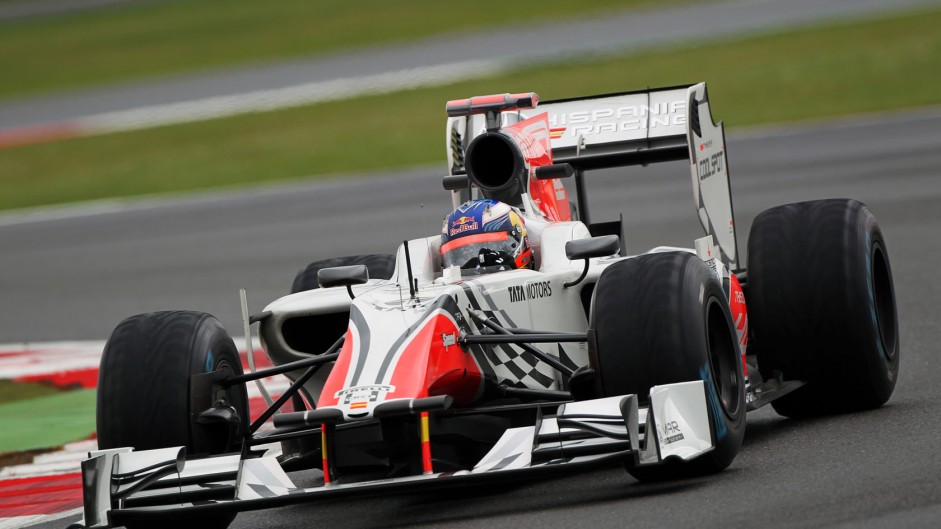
pixel 249 347
pixel 428 247
pixel 408 267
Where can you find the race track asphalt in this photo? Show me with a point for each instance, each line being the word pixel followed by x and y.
pixel 72 274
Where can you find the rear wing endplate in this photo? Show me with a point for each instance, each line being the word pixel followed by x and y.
pixel 634 128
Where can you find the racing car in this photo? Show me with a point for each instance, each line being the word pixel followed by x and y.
pixel 520 341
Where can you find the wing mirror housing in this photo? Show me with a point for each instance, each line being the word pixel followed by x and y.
pixel 343 276
pixel 558 170
pixel 455 182
pixel 602 246
pixel 588 248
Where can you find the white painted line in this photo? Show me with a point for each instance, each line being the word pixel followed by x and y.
pixel 65 461
pixel 91 208
pixel 291 96
pixel 32 359
pixel 50 358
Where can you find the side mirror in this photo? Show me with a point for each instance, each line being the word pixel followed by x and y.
pixel 343 276
pixel 594 247
pixel 559 170
pixel 587 248
pixel 455 182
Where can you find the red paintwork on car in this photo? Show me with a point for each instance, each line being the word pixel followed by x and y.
pixel 739 315
pixel 428 367
pixel 337 376
pixel 532 136
pixel 433 363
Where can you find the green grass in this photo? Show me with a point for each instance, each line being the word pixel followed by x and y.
pixel 12 391
pixel 866 66
pixel 133 41
pixel 48 421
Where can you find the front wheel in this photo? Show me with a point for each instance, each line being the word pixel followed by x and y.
pixel 144 384
pixel 664 318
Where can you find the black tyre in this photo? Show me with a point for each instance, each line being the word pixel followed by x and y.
pixel 821 306
pixel 380 266
pixel 144 396
pixel 664 318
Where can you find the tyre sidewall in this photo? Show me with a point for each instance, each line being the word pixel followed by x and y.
pixel 818 271
pixel 213 349
pixel 649 325
pixel 144 398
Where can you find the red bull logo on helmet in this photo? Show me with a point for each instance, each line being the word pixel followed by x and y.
pixel 463 224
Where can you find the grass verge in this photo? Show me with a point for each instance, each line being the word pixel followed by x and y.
pixel 133 41
pixel 48 421
pixel 11 391
pixel 863 66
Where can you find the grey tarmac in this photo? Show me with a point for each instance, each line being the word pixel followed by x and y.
pixel 72 274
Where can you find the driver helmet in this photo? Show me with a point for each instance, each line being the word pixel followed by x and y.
pixel 485 236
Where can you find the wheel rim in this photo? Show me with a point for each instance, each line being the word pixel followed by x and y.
pixel 217 436
pixel 723 358
pixel 883 302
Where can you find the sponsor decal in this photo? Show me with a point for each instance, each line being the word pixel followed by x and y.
pixel 670 432
pixel 542 289
pixel 359 396
pixel 620 118
pixel 533 137
pixel 463 224
pixel 457 148
pixel 448 340
pixel 710 165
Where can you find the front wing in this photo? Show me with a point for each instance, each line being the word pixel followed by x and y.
pixel 122 486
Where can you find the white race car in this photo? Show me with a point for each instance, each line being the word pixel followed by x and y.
pixel 424 369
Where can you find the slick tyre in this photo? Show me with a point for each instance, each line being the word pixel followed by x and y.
pixel 144 398
pixel 821 306
pixel 664 318
pixel 380 266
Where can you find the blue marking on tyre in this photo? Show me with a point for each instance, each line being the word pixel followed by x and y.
pixel 706 375
pixel 870 282
pixel 209 361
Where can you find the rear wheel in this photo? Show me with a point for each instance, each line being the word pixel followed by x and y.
pixel 144 382
pixel 822 306
pixel 380 266
pixel 664 318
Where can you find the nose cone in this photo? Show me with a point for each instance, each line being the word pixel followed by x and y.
pixel 400 354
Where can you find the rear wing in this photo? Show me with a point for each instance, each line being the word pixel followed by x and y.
pixel 633 128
